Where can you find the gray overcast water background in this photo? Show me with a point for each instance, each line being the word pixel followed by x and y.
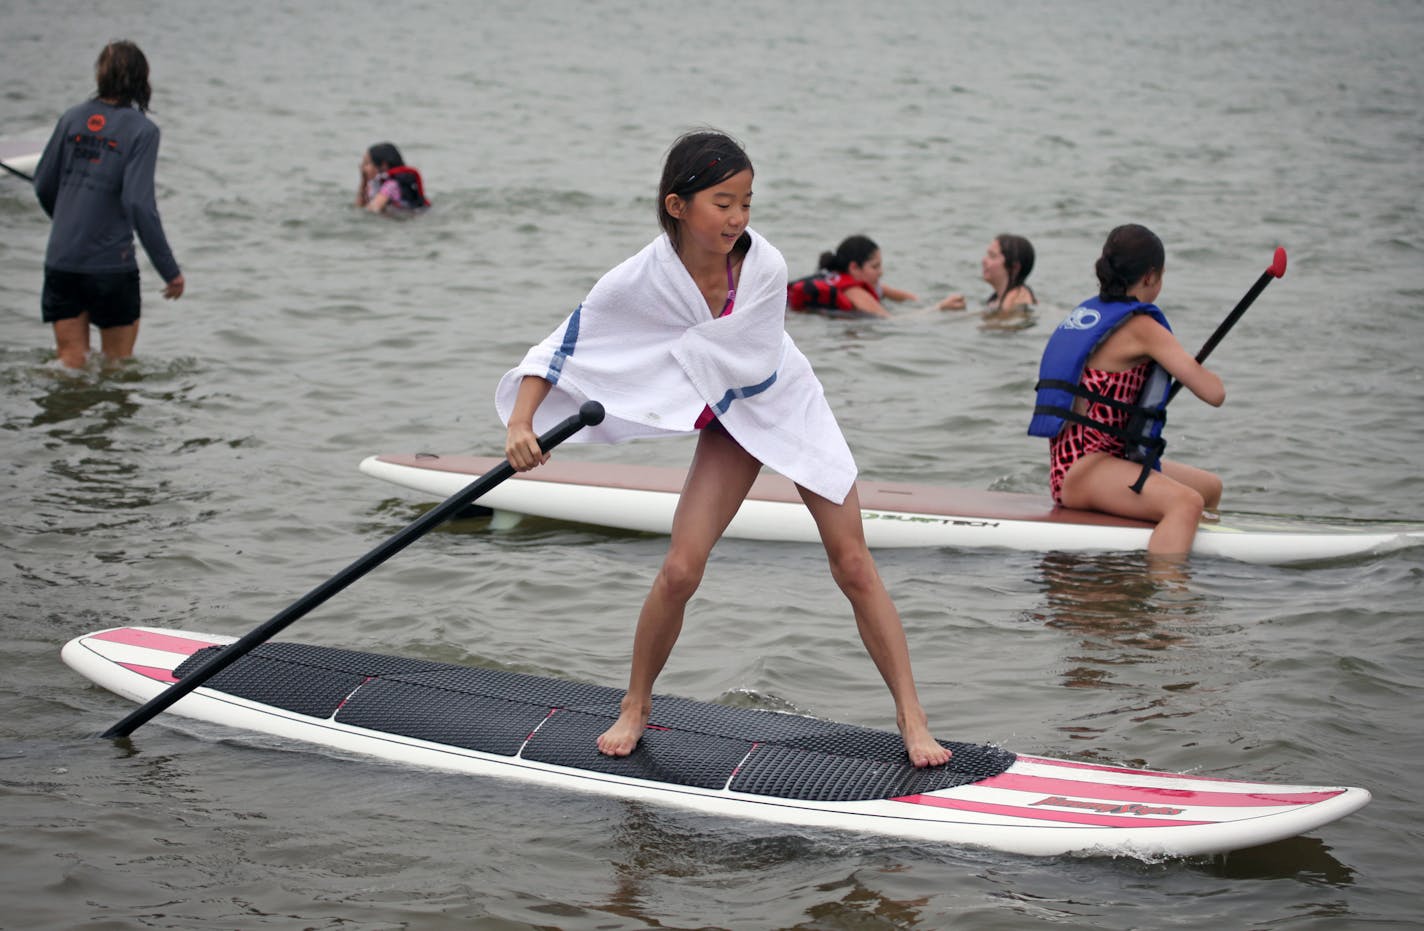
pixel 213 481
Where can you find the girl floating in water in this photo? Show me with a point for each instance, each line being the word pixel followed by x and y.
pixel 1006 266
pixel 388 184
pixel 848 282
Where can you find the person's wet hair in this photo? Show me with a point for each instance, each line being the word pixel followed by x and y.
pixel 1018 258
pixel 857 249
pixel 121 75
pixel 385 154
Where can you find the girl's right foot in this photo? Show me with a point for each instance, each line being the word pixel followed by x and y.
pixel 623 736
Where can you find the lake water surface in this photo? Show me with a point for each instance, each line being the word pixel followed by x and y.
pixel 212 481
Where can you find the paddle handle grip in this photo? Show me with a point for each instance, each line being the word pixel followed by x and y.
pixel 589 414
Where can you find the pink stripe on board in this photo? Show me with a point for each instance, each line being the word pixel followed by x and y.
pixel 132 636
pixel 152 672
pixel 1126 771
pixel 1092 819
pixel 1151 795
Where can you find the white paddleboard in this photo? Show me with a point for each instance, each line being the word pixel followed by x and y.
pixel 22 155
pixel 733 762
pixel 643 498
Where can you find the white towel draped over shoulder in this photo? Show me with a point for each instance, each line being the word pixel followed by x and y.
pixel 645 345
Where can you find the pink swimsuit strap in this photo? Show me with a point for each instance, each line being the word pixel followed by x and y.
pixel 731 291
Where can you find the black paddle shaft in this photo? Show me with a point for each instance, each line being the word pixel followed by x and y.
pixel 589 414
pixel 1277 269
pixel 17 172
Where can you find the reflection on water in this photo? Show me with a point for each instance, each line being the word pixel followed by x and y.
pixel 655 847
pixel 1125 607
pixel 1132 619
pixel 107 429
pixel 76 396
pixel 1302 858
pixel 107 394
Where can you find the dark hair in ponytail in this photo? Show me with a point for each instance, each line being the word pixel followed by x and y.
pixel 853 249
pixel 697 161
pixel 121 75
pixel 1130 252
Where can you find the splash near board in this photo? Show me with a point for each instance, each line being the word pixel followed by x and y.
pixel 643 498
pixel 733 762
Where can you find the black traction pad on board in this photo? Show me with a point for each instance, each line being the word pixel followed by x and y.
pixel 556 721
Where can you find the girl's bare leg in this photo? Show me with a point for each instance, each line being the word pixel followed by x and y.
pixel 718 480
pixel 1101 482
pixel 1207 484
pixel 876 618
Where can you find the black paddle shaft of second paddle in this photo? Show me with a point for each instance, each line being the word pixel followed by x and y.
pixel 589 414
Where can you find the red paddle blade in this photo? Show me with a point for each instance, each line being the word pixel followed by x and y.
pixel 1278 265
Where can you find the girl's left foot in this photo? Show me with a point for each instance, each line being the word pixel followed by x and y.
pixel 921 746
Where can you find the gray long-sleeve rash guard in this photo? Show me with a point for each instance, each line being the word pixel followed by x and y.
pixel 95 180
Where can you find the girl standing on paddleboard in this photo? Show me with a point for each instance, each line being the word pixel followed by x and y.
pixel 1101 390
pixel 689 334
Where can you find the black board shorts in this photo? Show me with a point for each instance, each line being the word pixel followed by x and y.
pixel 110 298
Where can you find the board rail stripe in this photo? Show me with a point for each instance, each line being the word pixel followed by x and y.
pixel 1046 785
pixel 153 640
pixel 1122 770
pixel 1090 818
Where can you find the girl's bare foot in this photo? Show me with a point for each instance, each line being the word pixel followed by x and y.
pixel 920 744
pixel 623 736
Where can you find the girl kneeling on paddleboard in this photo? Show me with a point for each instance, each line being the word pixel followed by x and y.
pixel 1101 394
pixel 657 341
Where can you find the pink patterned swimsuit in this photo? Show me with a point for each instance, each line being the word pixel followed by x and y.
pixel 1075 440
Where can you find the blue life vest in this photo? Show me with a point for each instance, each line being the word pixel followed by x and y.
pixel 1061 370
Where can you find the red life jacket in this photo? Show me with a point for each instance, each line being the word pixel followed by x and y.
pixel 822 291
pixel 412 190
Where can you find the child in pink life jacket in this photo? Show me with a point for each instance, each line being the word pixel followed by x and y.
pixel 388 184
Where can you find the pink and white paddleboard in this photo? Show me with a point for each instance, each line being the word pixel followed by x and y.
pixel 733 762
